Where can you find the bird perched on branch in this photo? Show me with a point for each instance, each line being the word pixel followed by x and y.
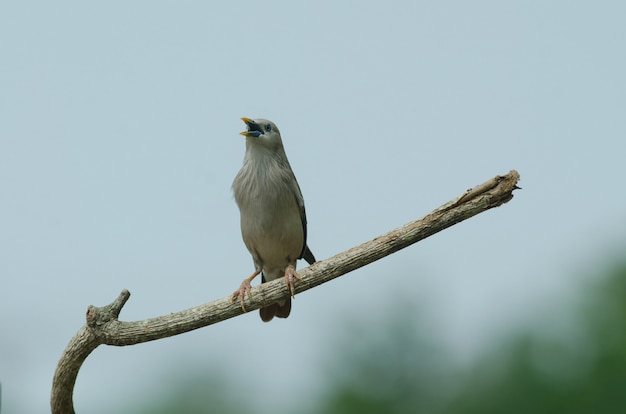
pixel 273 219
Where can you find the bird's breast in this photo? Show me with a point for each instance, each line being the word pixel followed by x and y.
pixel 271 224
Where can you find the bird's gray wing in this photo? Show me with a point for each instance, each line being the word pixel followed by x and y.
pixel 306 253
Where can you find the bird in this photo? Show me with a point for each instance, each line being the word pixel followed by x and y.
pixel 272 214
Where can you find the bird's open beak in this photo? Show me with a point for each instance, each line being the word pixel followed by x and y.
pixel 254 130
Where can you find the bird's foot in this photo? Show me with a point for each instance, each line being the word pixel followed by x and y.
pixel 241 294
pixel 290 278
pixel 243 290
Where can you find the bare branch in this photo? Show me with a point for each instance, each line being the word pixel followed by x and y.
pixel 103 327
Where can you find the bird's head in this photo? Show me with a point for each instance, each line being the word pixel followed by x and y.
pixel 262 132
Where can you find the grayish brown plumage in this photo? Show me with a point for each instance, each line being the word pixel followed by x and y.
pixel 273 219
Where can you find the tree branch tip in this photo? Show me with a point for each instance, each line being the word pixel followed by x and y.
pixel 99 315
pixel 503 184
pixel 121 300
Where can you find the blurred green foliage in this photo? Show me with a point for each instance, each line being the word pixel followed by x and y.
pixel 394 368
pixel 585 374
pixel 581 373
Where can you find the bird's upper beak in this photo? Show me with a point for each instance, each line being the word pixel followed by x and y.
pixel 254 130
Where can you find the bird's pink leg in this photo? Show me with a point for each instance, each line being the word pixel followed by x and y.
pixel 290 277
pixel 243 289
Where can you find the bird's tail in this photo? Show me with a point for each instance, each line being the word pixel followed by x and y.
pixel 277 309
pixel 307 255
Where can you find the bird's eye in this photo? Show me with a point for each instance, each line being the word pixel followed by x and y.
pixel 268 128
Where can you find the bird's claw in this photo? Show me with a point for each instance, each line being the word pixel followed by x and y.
pixel 243 289
pixel 241 294
pixel 290 278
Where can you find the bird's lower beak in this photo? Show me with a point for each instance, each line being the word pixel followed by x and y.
pixel 254 130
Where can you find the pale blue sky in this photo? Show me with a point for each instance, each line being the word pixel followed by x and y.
pixel 119 141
